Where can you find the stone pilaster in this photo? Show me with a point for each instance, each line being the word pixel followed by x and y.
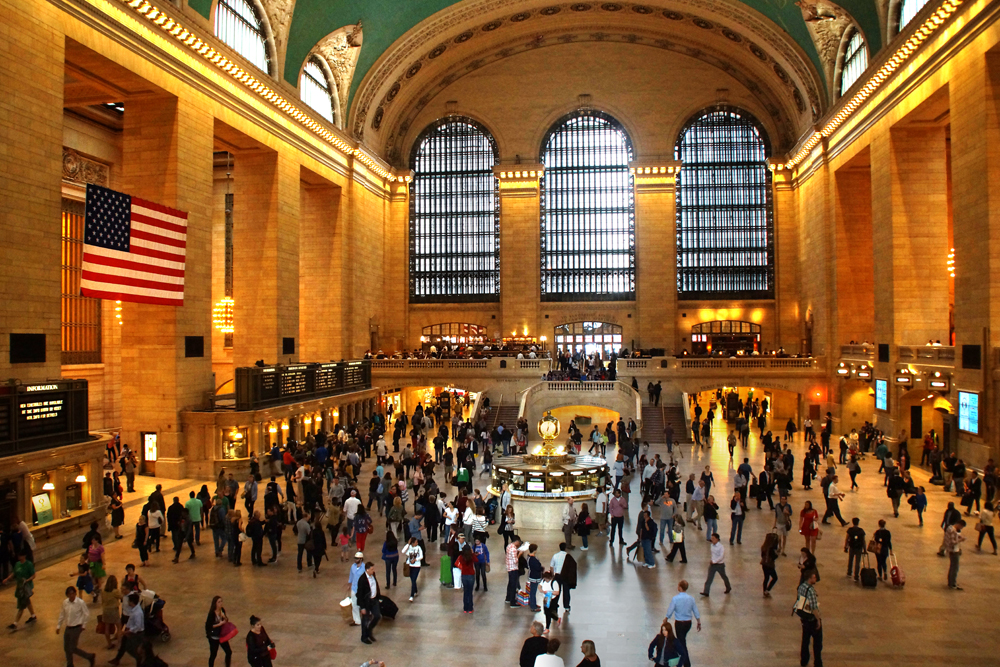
pixel 520 249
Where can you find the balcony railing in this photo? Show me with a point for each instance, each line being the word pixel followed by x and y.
pixel 857 352
pixel 388 366
pixel 931 355
pixel 744 363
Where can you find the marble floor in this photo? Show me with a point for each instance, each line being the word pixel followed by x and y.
pixel 617 604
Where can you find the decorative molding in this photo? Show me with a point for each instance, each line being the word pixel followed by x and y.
pixel 79 169
pixel 827 24
pixel 340 50
pixel 279 15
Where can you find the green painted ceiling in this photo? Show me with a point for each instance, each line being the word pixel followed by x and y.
pixel 385 21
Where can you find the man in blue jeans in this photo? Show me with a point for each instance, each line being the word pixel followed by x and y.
pixel 513 573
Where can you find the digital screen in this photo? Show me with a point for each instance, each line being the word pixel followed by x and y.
pixel 881 395
pixel 536 486
pixel 41 414
pixel 293 380
pixel 968 412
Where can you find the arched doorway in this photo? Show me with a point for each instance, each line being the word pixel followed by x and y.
pixel 725 337
pixel 588 337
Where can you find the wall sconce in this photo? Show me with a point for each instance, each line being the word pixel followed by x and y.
pixel 222 315
pixel 272 430
pixel 48 486
pixel 81 478
pixel 843 370
pixel 284 427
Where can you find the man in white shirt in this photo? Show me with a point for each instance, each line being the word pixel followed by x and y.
pixel 718 565
pixel 154 519
pixel 833 498
pixel 351 506
pixel 73 616
pixel 601 511
pixel 569 522
pixel 381 450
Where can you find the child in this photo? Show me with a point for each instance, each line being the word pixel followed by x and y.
pixel 84 580
pixel 345 544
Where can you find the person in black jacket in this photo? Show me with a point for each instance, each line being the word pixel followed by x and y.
pixel 259 645
pixel 255 531
pixel 367 596
pixel 534 646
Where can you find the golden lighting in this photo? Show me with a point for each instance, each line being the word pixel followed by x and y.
pixel 118 311
pixel 222 314
pixel 81 478
pixel 284 427
pixel 951 263
pixel 525 331
pixel 48 486
pixel 902 54
pixel 272 430
pixel 307 421
pixel 757 316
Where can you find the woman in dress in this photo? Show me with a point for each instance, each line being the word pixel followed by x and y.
pixel 217 618
pixel 809 525
pixel 259 645
pixel 709 479
pixel 117 516
pixel 111 610
pixel 206 504
pixel 390 554
pixel 141 541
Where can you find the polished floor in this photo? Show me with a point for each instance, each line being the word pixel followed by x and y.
pixel 617 605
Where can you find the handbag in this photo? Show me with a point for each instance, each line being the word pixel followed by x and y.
pixel 406 569
pixel 874 547
pixel 273 652
pixel 487 567
pixel 101 627
pixel 227 631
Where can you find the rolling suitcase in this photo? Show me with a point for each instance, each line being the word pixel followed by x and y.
pixel 895 573
pixel 446 570
pixel 869 578
pixel 388 608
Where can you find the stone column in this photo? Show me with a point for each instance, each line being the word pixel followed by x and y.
pixel 975 140
pixel 655 253
pixel 910 245
pixel 788 319
pixel 265 256
pixel 395 334
pixel 319 279
pixel 520 249
pixel 31 132
pixel 167 158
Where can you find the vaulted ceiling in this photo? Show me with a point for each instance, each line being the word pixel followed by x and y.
pixel 783 48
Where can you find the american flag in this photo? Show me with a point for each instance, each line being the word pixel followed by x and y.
pixel 133 250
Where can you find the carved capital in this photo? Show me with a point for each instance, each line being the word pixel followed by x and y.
pixel 79 169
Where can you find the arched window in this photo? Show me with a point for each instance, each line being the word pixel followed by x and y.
pixel 588 211
pixel 314 89
pixel 237 24
pixel 589 337
pixel 725 220
pixel 855 61
pixel 909 9
pixel 454 214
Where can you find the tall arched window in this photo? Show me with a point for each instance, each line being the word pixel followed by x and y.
pixel 588 211
pixel 725 220
pixel 237 24
pixel 909 9
pixel 454 214
pixel 314 89
pixel 855 60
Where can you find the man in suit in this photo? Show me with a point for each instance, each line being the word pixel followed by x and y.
pixel 368 592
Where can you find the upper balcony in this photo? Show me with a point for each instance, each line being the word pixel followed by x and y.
pixel 938 356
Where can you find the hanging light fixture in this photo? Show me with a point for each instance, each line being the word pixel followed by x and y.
pixel 81 478
pixel 48 486
pixel 222 314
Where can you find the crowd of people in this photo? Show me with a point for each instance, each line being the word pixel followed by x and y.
pixel 414 477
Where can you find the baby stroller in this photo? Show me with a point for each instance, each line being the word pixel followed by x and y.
pixel 152 608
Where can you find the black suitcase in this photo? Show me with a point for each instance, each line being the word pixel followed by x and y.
pixel 869 578
pixel 387 607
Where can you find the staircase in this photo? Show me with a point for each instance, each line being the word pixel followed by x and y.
pixel 674 415
pixel 652 425
pixel 506 415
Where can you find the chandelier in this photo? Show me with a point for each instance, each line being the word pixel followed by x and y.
pixel 222 315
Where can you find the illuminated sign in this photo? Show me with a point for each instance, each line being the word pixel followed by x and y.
pixel 42 387
pixel 536 486
pixel 968 412
pixel 882 395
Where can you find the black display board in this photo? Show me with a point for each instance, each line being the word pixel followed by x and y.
pixel 265 386
pixel 43 415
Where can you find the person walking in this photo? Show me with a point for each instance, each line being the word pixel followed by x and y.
pixel 111 610
pixel 23 575
pixel 550 599
pixel 564 569
pixel 953 539
pixel 717 566
pixel 768 554
pixel 833 498
pixel 73 616
pixel 663 649
pixel 986 517
pixel 883 547
pixel 667 509
pixel 259 645
pixel 482 554
pixel 413 555
pixel 677 539
pixel 738 512
pixel 134 631
pixel 390 555
pixel 854 547
pixel 684 609
pixel 711 518
pixel 782 522
pixel 617 508
pixel 219 631
pixel 809 525
pixel 807 609
pixel 368 593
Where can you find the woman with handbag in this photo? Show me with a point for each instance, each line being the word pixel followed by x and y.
pixel 318 539
pixel 413 555
pixel 260 648
pixel 111 610
pixel 663 649
pixel 219 631
pixel 809 525
pixel 583 526
pixel 390 554
pixel 141 540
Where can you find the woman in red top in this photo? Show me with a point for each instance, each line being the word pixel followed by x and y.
pixel 467 563
pixel 809 525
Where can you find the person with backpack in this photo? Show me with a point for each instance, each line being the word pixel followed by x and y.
pixel 854 547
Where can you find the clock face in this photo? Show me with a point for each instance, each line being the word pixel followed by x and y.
pixel 548 427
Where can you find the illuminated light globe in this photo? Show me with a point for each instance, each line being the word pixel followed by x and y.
pixel 548 427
